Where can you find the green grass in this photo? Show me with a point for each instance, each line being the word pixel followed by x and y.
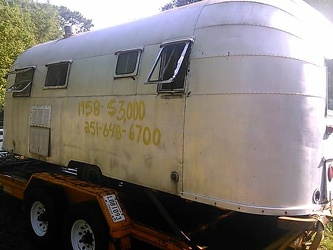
pixel 327 242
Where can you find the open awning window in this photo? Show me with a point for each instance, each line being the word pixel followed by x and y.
pixel 19 87
pixel 23 82
pixel 170 67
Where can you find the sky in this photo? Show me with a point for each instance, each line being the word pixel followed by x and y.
pixel 105 13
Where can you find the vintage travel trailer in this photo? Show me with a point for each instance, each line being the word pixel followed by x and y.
pixel 227 103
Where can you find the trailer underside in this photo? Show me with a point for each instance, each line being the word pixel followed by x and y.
pixel 158 219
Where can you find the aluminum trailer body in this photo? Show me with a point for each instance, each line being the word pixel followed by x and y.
pixel 225 103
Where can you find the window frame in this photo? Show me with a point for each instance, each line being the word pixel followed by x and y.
pixel 329 79
pixel 69 63
pixel 187 42
pixel 137 64
pixel 19 87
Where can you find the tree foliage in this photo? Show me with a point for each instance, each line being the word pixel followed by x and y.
pixel 68 17
pixel 178 3
pixel 24 23
pixel 45 19
pixel 16 34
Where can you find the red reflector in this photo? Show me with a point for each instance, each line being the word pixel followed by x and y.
pixel 330 173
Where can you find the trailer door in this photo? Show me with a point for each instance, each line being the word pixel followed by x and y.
pixel 169 74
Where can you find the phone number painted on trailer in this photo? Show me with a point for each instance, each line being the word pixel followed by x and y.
pixel 127 117
pixel 114 208
pixel 136 132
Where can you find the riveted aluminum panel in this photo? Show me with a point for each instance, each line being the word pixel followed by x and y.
pixel 39 141
pixel 255 119
pixel 39 134
pixel 40 116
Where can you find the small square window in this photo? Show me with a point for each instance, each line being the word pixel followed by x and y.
pixel 127 63
pixel 57 75
pixel 23 82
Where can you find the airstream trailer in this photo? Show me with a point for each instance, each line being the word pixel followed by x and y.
pixel 222 102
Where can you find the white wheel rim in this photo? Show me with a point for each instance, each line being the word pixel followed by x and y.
pixel 82 236
pixel 39 225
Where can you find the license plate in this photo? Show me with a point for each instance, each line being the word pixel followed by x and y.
pixel 114 208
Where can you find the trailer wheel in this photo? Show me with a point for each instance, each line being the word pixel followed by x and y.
pixel 92 174
pixel 42 216
pixel 85 228
pixel 87 172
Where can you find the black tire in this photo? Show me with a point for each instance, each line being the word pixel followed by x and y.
pixel 85 228
pixel 42 216
pixel 91 174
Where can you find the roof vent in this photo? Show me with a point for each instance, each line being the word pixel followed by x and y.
pixel 69 31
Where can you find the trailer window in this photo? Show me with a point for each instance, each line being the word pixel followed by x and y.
pixel 57 75
pixel 127 63
pixel 23 82
pixel 170 68
pixel 329 66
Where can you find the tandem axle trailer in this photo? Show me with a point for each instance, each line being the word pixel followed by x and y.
pixel 99 219
pixel 92 216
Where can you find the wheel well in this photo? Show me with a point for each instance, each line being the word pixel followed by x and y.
pixel 87 221
pixel 43 203
pixel 54 191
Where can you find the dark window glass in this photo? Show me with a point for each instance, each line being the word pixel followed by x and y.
pixel 169 60
pixel 170 68
pixel 57 74
pixel 127 62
